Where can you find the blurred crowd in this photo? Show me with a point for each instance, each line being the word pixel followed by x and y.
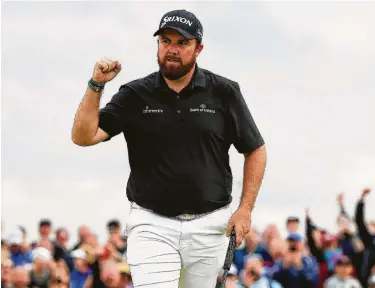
pixel 49 262
pixel 315 259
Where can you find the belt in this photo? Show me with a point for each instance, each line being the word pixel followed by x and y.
pixel 182 217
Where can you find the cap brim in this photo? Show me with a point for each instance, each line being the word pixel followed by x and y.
pixel 179 30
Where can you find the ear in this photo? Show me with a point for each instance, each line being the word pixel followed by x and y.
pixel 198 49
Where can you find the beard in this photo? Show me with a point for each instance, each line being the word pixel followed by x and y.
pixel 176 71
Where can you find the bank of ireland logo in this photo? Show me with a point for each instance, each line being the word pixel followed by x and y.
pixel 203 109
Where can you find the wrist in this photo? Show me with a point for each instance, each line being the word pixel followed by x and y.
pixel 96 86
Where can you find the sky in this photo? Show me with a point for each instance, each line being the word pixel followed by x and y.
pixel 306 70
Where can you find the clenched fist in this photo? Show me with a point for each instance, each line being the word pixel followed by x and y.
pixel 105 70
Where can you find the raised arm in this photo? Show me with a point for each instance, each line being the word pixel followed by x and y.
pixel 315 251
pixel 360 220
pixel 86 131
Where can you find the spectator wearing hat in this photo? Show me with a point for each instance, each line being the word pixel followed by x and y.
pixel 253 275
pixel 17 255
pixel 342 276
pixel 292 224
pixel 296 270
pixel 41 269
pixel 81 269
pixel 367 235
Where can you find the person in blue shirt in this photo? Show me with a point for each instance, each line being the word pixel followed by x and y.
pixel 296 270
pixel 81 269
pixel 17 254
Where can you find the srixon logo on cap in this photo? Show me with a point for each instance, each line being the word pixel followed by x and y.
pixel 176 19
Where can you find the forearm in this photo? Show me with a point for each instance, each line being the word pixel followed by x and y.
pixel 87 118
pixel 254 167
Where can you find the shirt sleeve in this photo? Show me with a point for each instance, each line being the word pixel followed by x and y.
pixel 112 116
pixel 243 130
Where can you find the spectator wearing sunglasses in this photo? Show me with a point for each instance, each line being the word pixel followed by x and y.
pixel 253 275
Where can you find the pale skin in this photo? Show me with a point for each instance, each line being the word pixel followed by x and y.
pixel 86 132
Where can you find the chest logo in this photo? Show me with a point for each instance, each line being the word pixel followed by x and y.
pixel 148 110
pixel 203 109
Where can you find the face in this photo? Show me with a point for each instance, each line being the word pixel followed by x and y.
pixel 176 54
pixel 295 246
pixel 252 272
pixel 80 264
pixel 20 278
pixel 343 270
pixel 292 227
pixel 110 274
pixel 278 249
pixel 251 240
pixel 45 230
pixel 371 228
pixel 62 238
pixel 6 266
pixel 84 233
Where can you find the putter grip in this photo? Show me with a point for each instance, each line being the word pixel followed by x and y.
pixel 230 251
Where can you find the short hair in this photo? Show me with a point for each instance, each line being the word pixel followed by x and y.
pixel 113 224
pixel 292 219
pixel 45 222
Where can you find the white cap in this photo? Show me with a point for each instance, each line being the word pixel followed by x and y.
pixel 79 254
pixel 233 270
pixel 42 254
pixel 15 237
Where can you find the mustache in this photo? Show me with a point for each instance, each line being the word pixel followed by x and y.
pixel 172 58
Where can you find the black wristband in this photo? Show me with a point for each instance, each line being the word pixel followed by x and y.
pixel 97 87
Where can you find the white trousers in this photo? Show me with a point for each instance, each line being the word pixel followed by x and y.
pixel 170 253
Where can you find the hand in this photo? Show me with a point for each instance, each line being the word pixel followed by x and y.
pixel 240 221
pixel 307 211
pixel 365 192
pixel 105 70
pixel 340 199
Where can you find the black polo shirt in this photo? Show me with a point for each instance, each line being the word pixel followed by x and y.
pixel 178 142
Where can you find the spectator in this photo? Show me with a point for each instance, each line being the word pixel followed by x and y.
pixel 292 225
pixel 60 276
pixel 254 276
pixel 326 251
pixel 342 276
pixel 84 233
pixel 61 244
pixel 115 275
pixel 367 235
pixel 252 243
pixel 81 269
pixel 296 270
pixel 6 270
pixel 115 238
pixel 40 274
pixel 20 278
pixel 269 234
pixel 18 256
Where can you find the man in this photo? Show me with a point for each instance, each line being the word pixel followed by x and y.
pixel 18 256
pixel 45 230
pixel 179 124
pixel 296 270
pixel 342 276
pixel 81 270
pixel 254 275
pixel 292 225
pixel 115 237
pixel 367 234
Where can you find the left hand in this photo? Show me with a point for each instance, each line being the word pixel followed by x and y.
pixel 240 222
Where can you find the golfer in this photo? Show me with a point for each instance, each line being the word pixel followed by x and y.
pixel 179 124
